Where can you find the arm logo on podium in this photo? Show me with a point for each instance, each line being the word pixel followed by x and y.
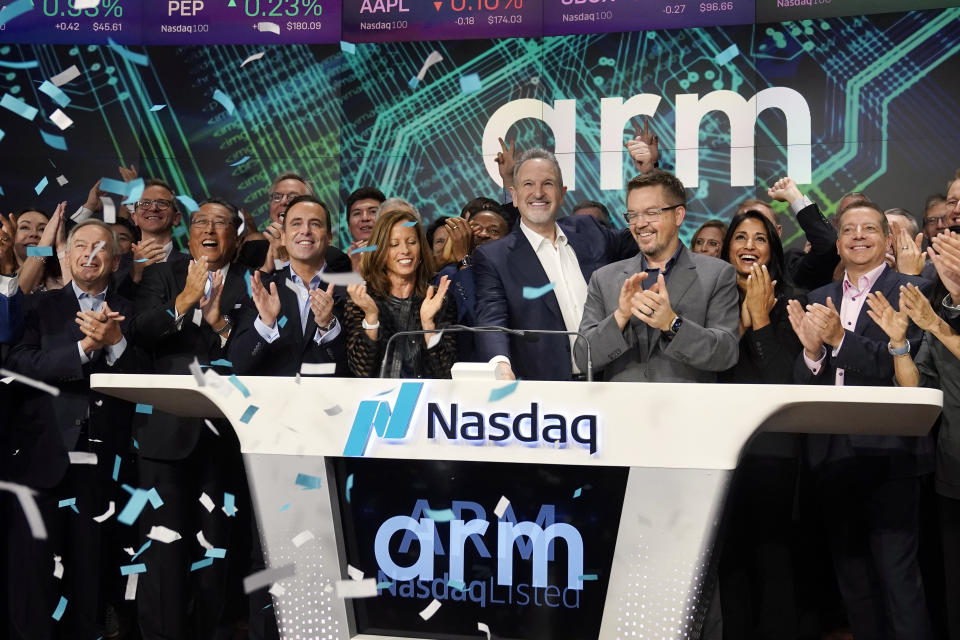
pixel 377 416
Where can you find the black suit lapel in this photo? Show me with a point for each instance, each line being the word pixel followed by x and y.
pixel 887 284
pixel 69 306
pixel 234 288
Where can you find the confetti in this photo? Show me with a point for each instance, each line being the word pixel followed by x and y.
pixel 431 60
pixel 501 506
pixel 57 567
pixel 482 626
pixel 56 93
pixel 431 609
pixel 103 517
pixel 17 105
pixel 216 553
pixel 727 54
pixel 158 107
pixel 409 223
pixel 221 362
pixel 272 27
pixel 132 581
pixel 143 547
pixel 188 202
pixel 386 584
pixel 302 538
pixel 262 578
pixel 440 515
pixel 235 381
pixel 114 186
pixel 224 101
pixel 86 4
pixel 248 414
pixel 144 408
pixel 130 513
pixel 127 569
pixel 67 502
pixel 109 210
pixel 229 504
pixel 96 249
pixel 470 83
pixel 307 481
pixel 211 427
pixel 197 373
pixel 282 321
pixel 42 184
pixel 241 161
pixel 434 339
pixel 30 382
pixel 587 576
pixel 62 180
pixel 116 467
pixel 578 492
pixel 82 457
pixel 25 495
pixel 459 585
pixel 354 573
pixel 277 590
pixel 413 82
pixel 65 76
pixel 200 564
pixel 357 588
pixel 126 54
pixel 35 252
pixel 163 534
pixel 367 249
pixel 349 486
pixel 60 119
pixel 348 47
pixel 532 293
pixel 342 279
pixel 62 605
pixel 502 392
pixel 334 410
pixel 203 541
pixel 252 58
pixel 285 507
pixel 53 141
pixel 318 368
pixel 134 191
pixel 206 502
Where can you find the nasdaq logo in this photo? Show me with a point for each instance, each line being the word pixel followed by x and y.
pixel 377 416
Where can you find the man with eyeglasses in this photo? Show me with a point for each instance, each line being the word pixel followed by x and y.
pixel 185 314
pixel 667 314
pixel 155 214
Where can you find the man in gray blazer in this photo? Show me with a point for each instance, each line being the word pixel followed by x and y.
pixel 667 314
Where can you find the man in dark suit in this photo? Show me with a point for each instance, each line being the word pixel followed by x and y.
pixel 668 314
pixel 185 314
pixel 540 251
pixel 69 334
pixel 868 486
pixel 292 319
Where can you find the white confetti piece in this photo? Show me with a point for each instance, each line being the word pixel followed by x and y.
pixel 197 317
pixel 252 58
pixel 431 609
pixel 502 506
pixel 482 626
pixel 342 279
pixel 30 382
pixel 203 541
pixel 354 573
pixel 278 264
pixel 86 4
pixel 358 588
pixel 328 589
pixel 60 119
pixel 318 368
pixel 334 410
pixel 129 551
pixel 65 76
pixel 272 27
pixel 57 567
pixel 62 180
pixel 81 214
pixel 211 427
pixel 302 538
pixel 431 60
pixel 197 373
pixel 277 590
pixel 132 580
pixel 96 249
pixel 82 457
pixel 106 514
pixel 261 579
pixel 163 534
pixel 207 502
pixel 109 210
pixel 434 339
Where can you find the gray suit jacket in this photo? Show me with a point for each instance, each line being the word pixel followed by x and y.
pixel 703 291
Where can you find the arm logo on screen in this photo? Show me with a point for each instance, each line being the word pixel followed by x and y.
pixel 377 416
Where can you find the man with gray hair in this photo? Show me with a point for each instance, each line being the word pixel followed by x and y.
pixel 536 276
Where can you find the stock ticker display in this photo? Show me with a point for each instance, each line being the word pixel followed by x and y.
pixel 877 96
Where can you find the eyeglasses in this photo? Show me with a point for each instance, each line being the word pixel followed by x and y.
pixel 216 223
pixel 649 215
pixel 159 204
pixel 937 220
pixel 276 196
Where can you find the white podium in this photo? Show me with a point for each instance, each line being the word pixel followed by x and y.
pixel 635 474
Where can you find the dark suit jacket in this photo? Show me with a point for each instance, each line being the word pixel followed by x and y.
pixel 48 426
pixel 11 317
pixel 252 355
pixel 865 360
pixel 163 436
pixel 814 269
pixel 502 269
pixel 254 252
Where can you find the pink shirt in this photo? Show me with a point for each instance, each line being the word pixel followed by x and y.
pixel 851 305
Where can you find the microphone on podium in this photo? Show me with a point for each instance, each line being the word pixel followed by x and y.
pixel 531 335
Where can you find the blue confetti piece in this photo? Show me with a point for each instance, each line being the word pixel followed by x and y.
pixel 502 392
pixel 470 83
pixel 54 141
pixel 127 569
pixel 727 54
pixel 576 494
pixel 74 507
pixel 588 576
pixel 126 54
pixel 1 188
pixel 409 223
pixel 2 134
pixel 200 564
pixel 285 507
pixel 235 381
pixel 56 93
pixel 348 47
pixel 386 584
pixel 440 515
pixel 459 585
pixel 532 293
pixel 282 321
pixel 144 408
pixel 145 260
pixel 413 82
pixel 229 504
pixel 189 203
pixel 146 545
pixel 114 186
pixel 116 468
pixel 128 489
pixel 241 161
pixel 136 445
pixel 134 506
pixel 29 64
pixel 135 190
pixel 155 500
pixel 68 502
pixel 268 606
pixel 62 605
pixel 41 185
pixel 216 552
pixel 224 101
pixel 158 107
pixel 180 230
pixel 349 486
pixel 366 249
pixel 307 481
pixel 246 279
pixel 221 362
pixel 39 251
pixel 17 105
pixel 170 311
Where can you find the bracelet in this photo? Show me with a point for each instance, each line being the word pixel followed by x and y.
pixel 368 326
pixel 902 351
pixel 226 327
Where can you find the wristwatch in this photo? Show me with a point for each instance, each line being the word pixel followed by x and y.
pixel 226 326
pixel 674 327
pixel 902 351
pixel 466 262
